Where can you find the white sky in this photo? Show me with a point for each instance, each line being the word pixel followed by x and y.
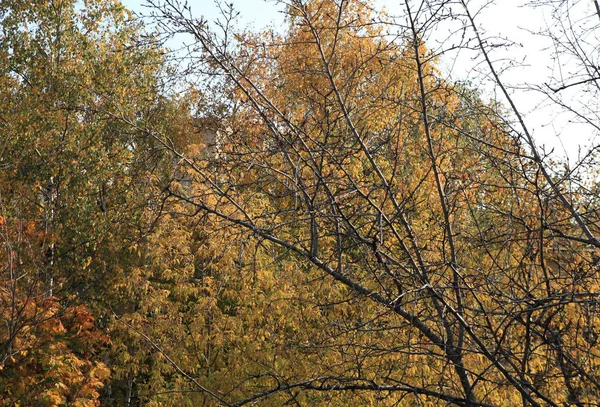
pixel 508 18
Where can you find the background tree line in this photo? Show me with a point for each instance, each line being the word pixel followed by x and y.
pixel 317 216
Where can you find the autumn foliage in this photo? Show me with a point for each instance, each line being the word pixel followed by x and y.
pixel 314 216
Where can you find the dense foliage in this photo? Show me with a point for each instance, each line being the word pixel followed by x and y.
pixel 311 217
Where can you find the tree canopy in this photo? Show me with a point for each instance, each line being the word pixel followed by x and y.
pixel 315 216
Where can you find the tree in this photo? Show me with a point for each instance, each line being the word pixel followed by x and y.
pixel 454 265
pixel 75 182
pixel 317 216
